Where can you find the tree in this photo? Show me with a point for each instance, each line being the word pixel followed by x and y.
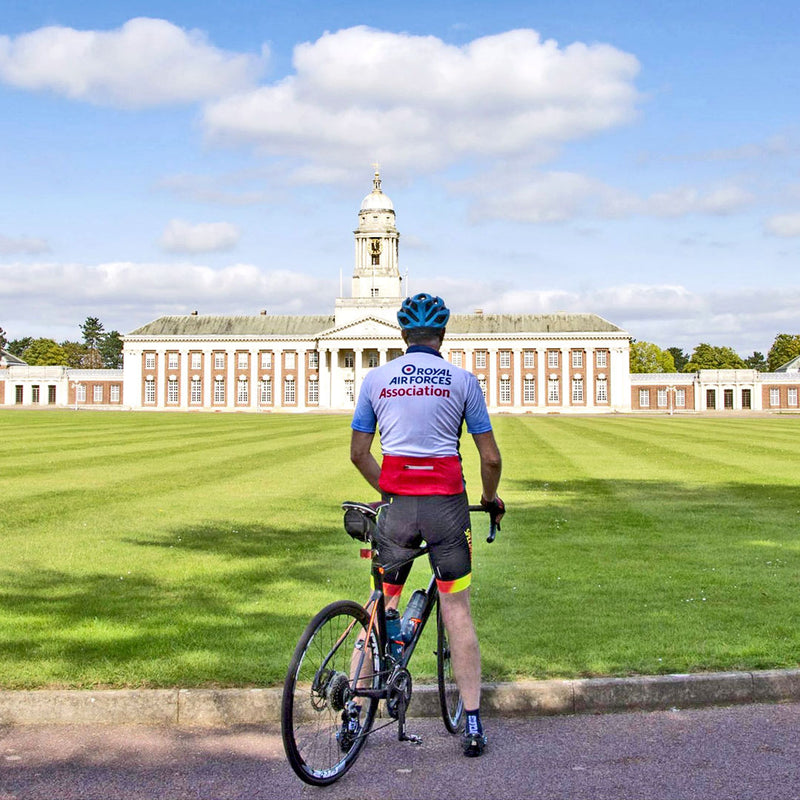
pixel 111 350
pixel 45 353
pixel 17 347
pixel 756 361
pixel 647 357
pixel 706 356
pixel 3 339
pixel 785 347
pixel 92 330
pixel 77 354
pixel 679 357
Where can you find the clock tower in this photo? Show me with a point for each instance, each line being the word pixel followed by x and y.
pixel 376 287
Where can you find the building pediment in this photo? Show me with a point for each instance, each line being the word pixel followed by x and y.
pixel 368 327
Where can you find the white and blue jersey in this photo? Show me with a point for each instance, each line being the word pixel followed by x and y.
pixel 419 402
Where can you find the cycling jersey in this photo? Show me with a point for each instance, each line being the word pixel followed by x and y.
pixel 420 402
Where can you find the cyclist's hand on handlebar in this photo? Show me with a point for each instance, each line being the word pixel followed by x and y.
pixel 496 508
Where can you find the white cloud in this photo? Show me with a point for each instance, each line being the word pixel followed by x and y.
pixel 785 225
pixel 22 244
pixel 146 62
pixel 546 197
pixel 421 103
pixel 204 237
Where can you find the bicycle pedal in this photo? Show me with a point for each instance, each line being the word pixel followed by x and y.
pixel 411 738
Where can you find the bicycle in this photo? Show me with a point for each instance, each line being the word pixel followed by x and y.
pixel 345 663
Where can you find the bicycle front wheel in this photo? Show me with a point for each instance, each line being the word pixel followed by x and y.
pixel 449 696
pixel 324 726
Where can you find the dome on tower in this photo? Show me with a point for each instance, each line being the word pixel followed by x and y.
pixel 376 200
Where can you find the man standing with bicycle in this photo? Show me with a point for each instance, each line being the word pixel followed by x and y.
pixel 419 403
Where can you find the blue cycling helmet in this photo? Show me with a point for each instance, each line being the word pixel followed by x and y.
pixel 423 311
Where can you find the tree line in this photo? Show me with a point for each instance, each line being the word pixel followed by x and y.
pixel 648 357
pixel 99 349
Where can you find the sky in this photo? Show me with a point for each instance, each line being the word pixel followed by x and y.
pixel 636 160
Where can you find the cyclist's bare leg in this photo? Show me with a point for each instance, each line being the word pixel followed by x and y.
pixel 465 654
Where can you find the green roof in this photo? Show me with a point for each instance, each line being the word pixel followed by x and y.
pixel 529 323
pixel 459 325
pixel 213 325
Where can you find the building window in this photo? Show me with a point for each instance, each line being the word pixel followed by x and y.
pixel 480 359
pixel 350 391
pixel 482 385
pixel 313 391
pixel 172 361
pixel 313 359
pixel 34 394
pixel 197 392
pixel 219 390
pixel 644 398
pixel 241 392
pixel 774 397
pixel 241 360
pixel 577 390
pixel 505 359
pixel 456 358
pixel 373 359
pixel 349 360
pixel 552 359
pixel 792 396
pixel 375 292
pixel 505 390
pixel 51 394
pixel 266 392
pixel 602 390
pixel 149 360
pixel 219 360
pixel 172 391
pixel 661 398
pixel 602 358
pixel 577 359
pixel 266 361
pixel 114 393
pixel 680 398
pixel 288 392
pixel 97 393
pixel 529 390
pixel 529 359
pixel 289 359
pixel 553 395
pixel 149 392
pixel 197 360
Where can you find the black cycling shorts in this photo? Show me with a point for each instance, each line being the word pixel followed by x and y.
pixel 442 521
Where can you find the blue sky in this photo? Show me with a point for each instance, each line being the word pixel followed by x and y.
pixel 636 160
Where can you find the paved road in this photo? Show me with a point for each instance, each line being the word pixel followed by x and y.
pixel 742 752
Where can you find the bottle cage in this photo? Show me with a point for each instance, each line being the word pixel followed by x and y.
pixel 360 519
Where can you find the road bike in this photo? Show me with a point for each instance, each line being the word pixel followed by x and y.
pixel 350 658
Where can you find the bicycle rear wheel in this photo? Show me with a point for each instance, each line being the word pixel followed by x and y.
pixel 322 735
pixel 449 696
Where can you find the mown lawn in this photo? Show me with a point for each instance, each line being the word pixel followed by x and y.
pixel 191 549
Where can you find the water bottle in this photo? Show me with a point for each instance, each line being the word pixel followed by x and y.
pixel 393 633
pixel 412 616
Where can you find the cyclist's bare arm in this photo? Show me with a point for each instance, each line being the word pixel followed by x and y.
pixel 491 463
pixel 361 456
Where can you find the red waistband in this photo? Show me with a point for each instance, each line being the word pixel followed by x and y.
pixel 412 475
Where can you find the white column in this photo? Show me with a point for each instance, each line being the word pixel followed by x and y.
pixel 518 372
pixel 358 370
pixel 588 377
pixel 334 380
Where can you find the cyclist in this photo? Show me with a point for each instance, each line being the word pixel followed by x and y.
pixel 419 403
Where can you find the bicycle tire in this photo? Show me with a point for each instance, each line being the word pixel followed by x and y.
pixel 316 689
pixel 450 700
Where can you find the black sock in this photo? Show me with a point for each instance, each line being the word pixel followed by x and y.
pixel 473 725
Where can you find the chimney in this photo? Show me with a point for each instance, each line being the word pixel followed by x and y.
pixel 194 313
pixel 263 312
pixel 478 312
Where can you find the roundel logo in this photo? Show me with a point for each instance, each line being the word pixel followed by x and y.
pixel 408 369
